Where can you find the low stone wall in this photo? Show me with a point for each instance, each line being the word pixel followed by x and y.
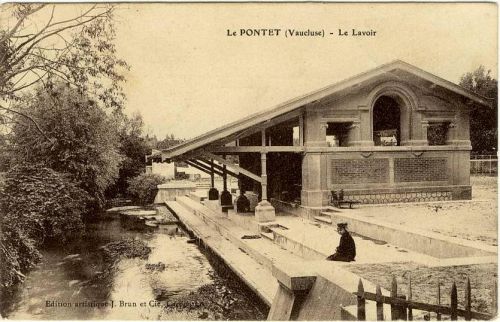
pixel 425 242
pixel 283 207
pixel 170 190
pixel 407 194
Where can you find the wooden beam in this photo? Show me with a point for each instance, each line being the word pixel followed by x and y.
pixel 197 167
pixel 207 168
pixel 234 167
pixel 262 126
pixel 254 149
pixel 216 166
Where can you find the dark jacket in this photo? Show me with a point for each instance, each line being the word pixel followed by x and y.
pixel 347 247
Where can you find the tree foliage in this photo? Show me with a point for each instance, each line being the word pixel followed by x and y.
pixel 82 138
pixel 38 205
pixel 483 120
pixel 168 141
pixel 133 147
pixel 143 188
pixel 42 43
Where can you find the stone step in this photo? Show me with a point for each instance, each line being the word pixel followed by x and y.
pixel 269 236
pixel 262 250
pixel 418 240
pixel 323 219
pixel 255 275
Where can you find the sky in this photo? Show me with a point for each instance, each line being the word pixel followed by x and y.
pixel 188 76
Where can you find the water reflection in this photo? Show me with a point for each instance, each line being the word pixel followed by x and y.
pixel 71 281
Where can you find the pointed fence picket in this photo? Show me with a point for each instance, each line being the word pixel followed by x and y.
pixel 402 306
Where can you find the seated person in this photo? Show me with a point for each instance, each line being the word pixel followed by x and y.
pixel 346 252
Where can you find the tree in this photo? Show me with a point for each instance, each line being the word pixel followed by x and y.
pixel 41 43
pixel 143 188
pixel 38 205
pixel 483 120
pixel 133 147
pixel 82 138
pixel 168 142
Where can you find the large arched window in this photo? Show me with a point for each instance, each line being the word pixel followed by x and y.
pixel 386 122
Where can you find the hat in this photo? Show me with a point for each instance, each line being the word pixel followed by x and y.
pixel 342 225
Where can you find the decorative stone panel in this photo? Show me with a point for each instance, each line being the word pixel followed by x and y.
pixel 359 171
pixel 420 169
pixel 400 197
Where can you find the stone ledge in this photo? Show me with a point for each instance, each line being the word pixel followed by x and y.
pixel 294 277
pixel 425 242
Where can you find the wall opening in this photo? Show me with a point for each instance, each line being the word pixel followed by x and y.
pixel 386 122
pixel 337 134
pixel 437 133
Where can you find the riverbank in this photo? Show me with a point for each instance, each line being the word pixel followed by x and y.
pixel 170 276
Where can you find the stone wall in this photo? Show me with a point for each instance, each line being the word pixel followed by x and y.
pixel 376 198
pixel 360 170
pixel 420 169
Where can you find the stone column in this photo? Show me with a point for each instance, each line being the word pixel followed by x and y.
pixel 314 171
pixel 423 133
pixel 264 211
pixel 417 129
pixel 213 193
pixel 314 180
pixel 315 130
pixel 458 131
pixel 452 133
pixel 363 131
pixel 354 135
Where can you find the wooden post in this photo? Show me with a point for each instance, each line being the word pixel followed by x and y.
pixel 402 309
pixel 263 160
pixel 454 302
pixel 380 304
pixel 361 302
pixel 263 171
pixel 394 294
pixel 410 312
pixel 224 176
pixel 438 317
pixel 467 301
pixel 212 181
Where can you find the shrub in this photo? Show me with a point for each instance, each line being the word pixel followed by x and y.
pixel 143 187
pixel 37 206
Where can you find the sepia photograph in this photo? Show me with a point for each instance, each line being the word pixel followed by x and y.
pixel 249 161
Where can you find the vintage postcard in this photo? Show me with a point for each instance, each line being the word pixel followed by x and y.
pixel 248 161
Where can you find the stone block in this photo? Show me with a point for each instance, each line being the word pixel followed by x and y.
pixel 294 277
pixel 226 199
pixel 213 194
pixel 264 212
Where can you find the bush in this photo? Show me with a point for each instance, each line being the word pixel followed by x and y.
pixel 143 187
pixel 37 206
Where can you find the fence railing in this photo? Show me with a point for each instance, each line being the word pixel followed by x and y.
pixel 402 306
pixel 484 164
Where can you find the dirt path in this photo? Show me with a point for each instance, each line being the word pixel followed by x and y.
pixel 473 220
pixel 424 281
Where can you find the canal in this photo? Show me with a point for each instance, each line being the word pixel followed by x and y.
pixel 178 280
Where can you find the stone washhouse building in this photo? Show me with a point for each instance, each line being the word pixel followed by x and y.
pixel 393 134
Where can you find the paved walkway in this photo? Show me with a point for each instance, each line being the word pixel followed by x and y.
pixel 324 239
pixel 253 259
